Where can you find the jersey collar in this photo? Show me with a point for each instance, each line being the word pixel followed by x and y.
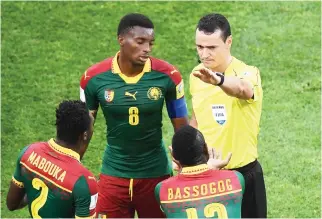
pixel 231 67
pixel 194 169
pixel 116 68
pixel 63 150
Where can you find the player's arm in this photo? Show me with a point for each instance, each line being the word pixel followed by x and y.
pixel 16 197
pixel 85 197
pixel 157 194
pixel 88 95
pixel 176 103
pixel 241 180
pixel 241 86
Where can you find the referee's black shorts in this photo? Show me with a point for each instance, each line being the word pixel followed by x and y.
pixel 254 203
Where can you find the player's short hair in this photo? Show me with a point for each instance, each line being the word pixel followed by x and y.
pixel 212 22
pixel 131 20
pixel 72 120
pixel 188 145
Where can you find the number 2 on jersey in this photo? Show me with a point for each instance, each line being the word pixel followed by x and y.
pixel 41 200
pixel 133 115
pixel 209 211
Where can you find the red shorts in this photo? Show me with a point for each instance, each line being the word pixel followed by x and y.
pixel 121 197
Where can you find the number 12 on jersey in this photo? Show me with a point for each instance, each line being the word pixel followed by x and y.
pixel 133 115
pixel 209 211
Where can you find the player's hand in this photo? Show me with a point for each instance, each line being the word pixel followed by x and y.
pixel 215 159
pixel 175 164
pixel 207 76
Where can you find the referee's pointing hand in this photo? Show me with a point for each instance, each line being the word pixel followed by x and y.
pixel 207 76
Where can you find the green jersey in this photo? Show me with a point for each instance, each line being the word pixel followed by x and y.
pixel 132 107
pixel 201 193
pixel 55 182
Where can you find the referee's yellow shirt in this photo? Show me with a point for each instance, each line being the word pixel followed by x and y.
pixel 228 123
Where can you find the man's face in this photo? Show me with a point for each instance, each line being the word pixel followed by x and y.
pixel 211 48
pixel 137 44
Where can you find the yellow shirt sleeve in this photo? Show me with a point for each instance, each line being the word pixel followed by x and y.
pixel 252 75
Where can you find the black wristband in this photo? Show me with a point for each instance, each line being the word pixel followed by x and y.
pixel 222 79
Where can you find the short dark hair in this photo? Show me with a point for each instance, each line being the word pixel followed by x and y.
pixel 188 146
pixel 212 22
pixel 72 120
pixel 131 20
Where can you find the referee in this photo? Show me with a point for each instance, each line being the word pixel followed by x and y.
pixel 227 104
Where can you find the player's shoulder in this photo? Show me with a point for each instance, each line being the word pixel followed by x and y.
pixel 86 172
pixel 96 69
pixel 221 174
pixel 165 67
pixel 85 179
pixel 34 148
pixel 83 171
pixel 169 182
pixel 243 68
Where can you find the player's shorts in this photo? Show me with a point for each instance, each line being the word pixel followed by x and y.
pixel 254 203
pixel 121 197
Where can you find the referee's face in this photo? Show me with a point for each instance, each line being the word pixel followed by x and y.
pixel 137 44
pixel 213 51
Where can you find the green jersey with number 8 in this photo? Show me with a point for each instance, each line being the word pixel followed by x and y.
pixel 132 107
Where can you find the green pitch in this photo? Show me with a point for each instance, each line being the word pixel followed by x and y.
pixel 47 46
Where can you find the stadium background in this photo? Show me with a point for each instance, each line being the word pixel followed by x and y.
pixel 46 46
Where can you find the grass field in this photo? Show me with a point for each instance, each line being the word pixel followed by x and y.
pixel 47 46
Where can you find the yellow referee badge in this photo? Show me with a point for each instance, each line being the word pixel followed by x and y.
pixel 180 89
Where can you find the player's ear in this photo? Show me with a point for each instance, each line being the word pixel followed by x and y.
pixel 121 39
pixel 206 152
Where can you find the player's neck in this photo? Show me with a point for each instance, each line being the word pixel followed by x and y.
pixel 222 68
pixel 127 67
pixel 183 166
pixel 66 145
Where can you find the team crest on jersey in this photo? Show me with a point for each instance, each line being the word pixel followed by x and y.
pixel 219 113
pixel 109 95
pixel 154 93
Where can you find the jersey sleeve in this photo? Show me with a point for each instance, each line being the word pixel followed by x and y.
pixel 88 92
pixel 241 180
pixel 175 101
pixel 85 197
pixel 157 193
pixel 17 177
pixel 252 75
